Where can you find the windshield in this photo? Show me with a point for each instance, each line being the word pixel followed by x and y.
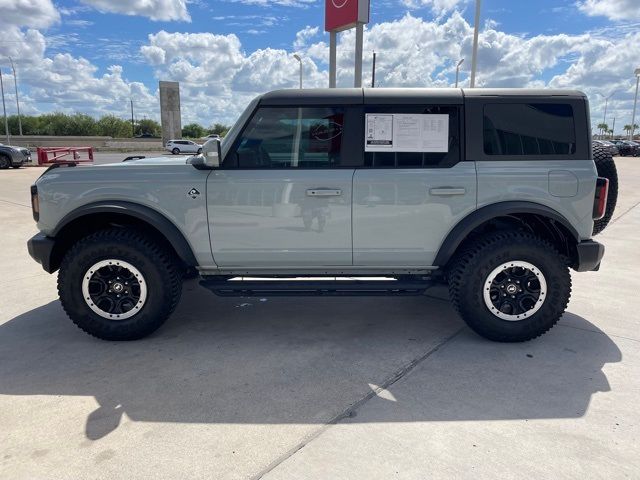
pixel 226 142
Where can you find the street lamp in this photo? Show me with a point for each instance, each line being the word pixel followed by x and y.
pixel 15 82
pixel 635 102
pixel 474 57
pixel 458 70
pixel 4 108
pixel 606 102
pixel 297 57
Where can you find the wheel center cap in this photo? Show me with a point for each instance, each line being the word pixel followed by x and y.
pixel 117 287
pixel 512 288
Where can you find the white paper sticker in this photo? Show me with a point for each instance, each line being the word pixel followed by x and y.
pixel 406 132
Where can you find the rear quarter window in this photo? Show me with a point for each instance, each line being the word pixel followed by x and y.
pixel 529 130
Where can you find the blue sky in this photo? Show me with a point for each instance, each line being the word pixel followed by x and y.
pixel 92 55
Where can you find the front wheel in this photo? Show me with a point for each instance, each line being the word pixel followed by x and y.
pixel 199 151
pixel 175 151
pixel 5 162
pixel 119 284
pixel 510 286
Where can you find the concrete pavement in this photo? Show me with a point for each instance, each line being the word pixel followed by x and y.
pixel 319 387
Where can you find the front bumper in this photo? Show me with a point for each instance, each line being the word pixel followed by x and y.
pixel 590 255
pixel 41 249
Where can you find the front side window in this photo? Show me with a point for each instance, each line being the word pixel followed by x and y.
pixel 290 137
pixel 521 129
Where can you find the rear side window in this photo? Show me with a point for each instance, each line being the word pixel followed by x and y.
pixel 529 129
pixel 418 159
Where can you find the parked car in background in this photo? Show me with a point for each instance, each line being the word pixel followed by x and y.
pixel 146 135
pixel 13 156
pixel 608 146
pixel 627 148
pixel 183 146
pixel 210 136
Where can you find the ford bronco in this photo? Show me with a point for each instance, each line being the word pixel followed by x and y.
pixel 496 192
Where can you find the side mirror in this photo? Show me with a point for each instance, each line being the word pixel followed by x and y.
pixel 212 153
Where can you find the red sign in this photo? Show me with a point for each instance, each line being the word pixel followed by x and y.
pixel 344 14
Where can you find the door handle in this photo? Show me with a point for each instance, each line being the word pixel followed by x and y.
pixel 324 192
pixel 446 191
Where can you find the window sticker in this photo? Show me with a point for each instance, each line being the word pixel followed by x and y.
pixel 401 132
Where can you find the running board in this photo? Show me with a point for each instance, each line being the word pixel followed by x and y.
pixel 288 287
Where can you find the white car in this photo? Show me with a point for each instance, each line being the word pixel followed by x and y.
pixel 183 146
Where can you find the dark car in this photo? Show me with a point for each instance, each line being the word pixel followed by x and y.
pixel 627 148
pixel 146 135
pixel 608 146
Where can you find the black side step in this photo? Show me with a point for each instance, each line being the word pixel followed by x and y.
pixel 253 288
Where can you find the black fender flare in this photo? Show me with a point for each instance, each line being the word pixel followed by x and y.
pixel 146 214
pixel 465 226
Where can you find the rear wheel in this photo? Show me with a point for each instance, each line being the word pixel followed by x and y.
pixel 606 168
pixel 510 286
pixel 119 284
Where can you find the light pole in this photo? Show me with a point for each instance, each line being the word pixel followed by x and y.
pixel 373 71
pixel 297 57
pixel 458 70
pixel 15 82
pixel 4 108
pixel 606 102
pixel 474 57
pixel 635 103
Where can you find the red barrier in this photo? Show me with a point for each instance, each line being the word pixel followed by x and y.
pixel 51 155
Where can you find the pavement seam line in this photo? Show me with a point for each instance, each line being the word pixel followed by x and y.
pixel 599 332
pixel 14 203
pixel 347 412
pixel 623 214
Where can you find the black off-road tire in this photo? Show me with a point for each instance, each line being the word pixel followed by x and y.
pixel 606 168
pixel 157 265
pixel 469 271
pixel 5 162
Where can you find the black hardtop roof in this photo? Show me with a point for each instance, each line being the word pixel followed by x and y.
pixel 398 96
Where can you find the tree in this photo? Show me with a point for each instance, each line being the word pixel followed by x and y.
pixel 627 128
pixel 112 126
pixel 147 125
pixel 193 130
pixel 603 127
pixel 219 128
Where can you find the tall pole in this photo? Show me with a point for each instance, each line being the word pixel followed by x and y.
pixel 606 101
pixel 373 71
pixel 333 38
pixel 357 71
pixel 635 103
pixel 4 108
pixel 15 82
pixel 474 57
pixel 458 70
pixel 297 57
pixel 133 123
pixel 613 128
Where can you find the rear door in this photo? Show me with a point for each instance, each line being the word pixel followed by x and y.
pixel 409 195
pixel 283 195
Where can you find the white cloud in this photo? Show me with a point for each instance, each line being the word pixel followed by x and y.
pixel 282 3
pixel 612 9
pixel 164 10
pixel 33 13
pixel 304 35
pixel 438 7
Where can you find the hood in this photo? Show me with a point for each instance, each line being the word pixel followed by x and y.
pixel 151 161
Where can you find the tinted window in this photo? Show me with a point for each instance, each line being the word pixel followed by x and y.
pixel 418 159
pixel 529 129
pixel 287 137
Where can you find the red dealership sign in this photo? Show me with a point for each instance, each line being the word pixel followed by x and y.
pixel 344 14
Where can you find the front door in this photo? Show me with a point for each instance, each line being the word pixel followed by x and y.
pixel 282 197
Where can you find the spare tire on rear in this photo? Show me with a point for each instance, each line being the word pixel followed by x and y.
pixel 607 169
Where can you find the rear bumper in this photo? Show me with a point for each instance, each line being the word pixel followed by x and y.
pixel 590 255
pixel 41 248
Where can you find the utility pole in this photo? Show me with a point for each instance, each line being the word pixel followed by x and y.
pixel 133 123
pixel 474 56
pixel 4 108
pixel 373 71
pixel 635 102
pixel 15 82
pixel 357 80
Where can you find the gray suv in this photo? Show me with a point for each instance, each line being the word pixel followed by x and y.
pixel 13 156
pixel 323 192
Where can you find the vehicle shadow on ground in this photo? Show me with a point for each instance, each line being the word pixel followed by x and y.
pixel 290 360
